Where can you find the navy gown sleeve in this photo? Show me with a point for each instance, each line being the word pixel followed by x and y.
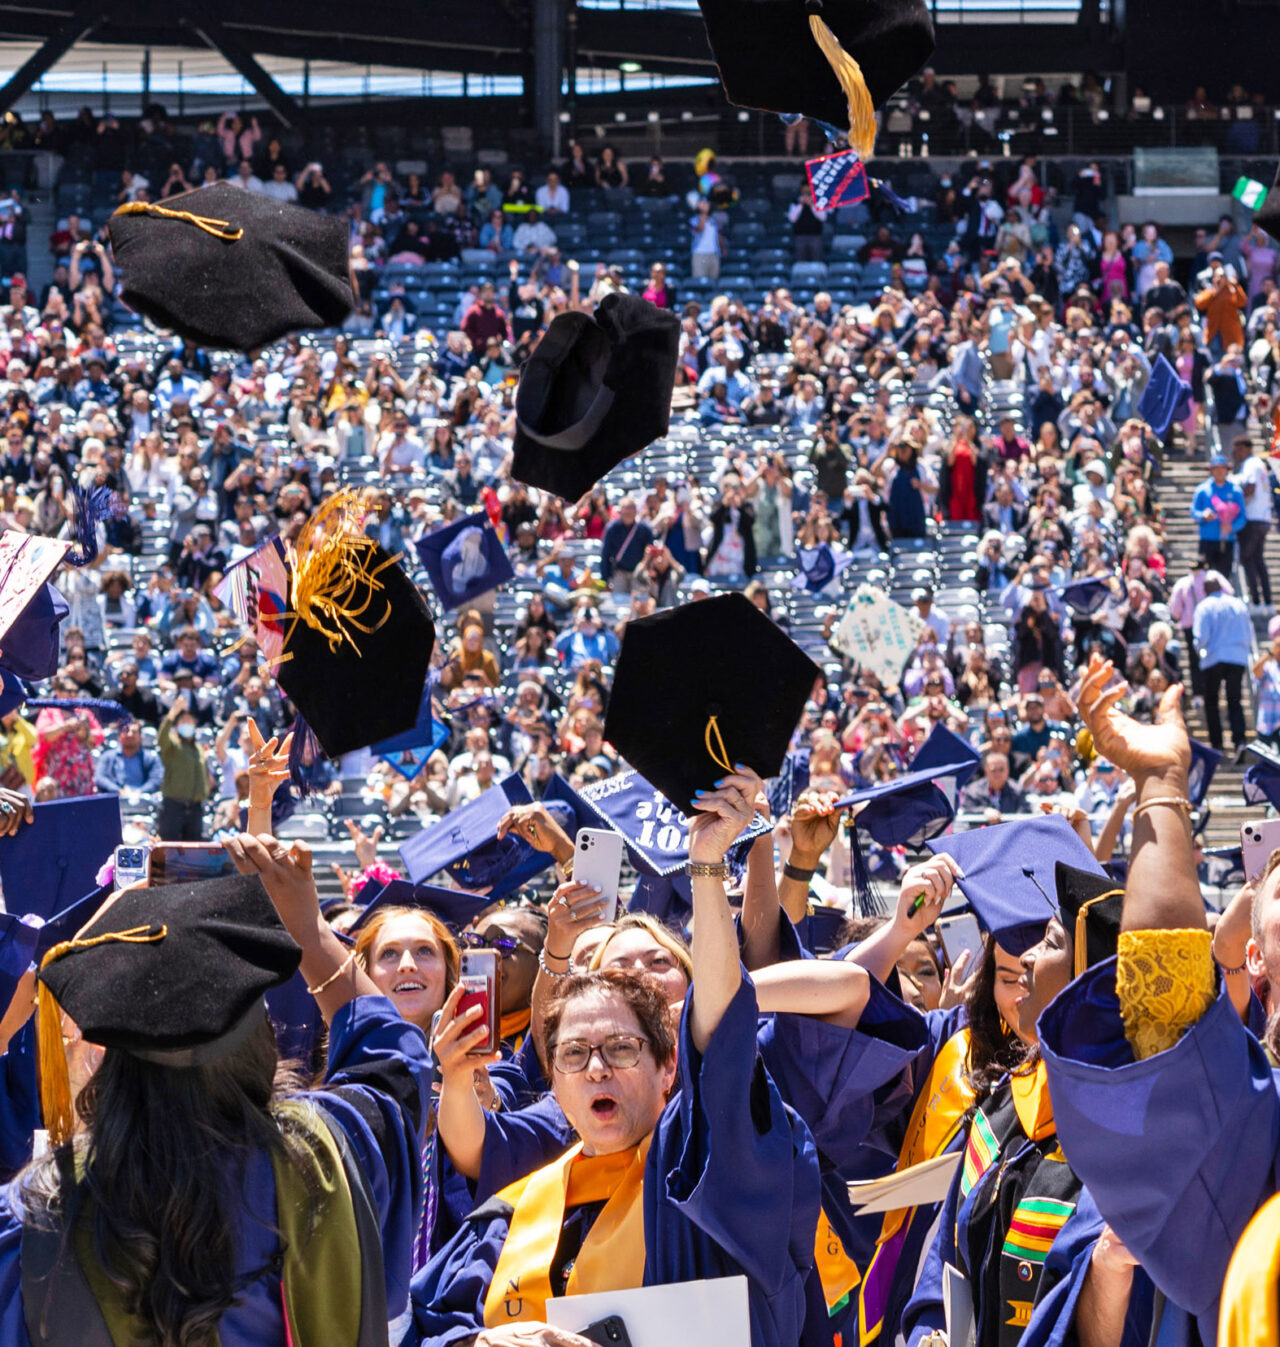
pixel 13 1325
pixel 19 1101
pixel 924 1313
pixel 448 1294
pixel 731 1183
pixel 831 1075
pixel 1181 1141
pixel 1066 1266
pixel 376 1090
pixel 515 1144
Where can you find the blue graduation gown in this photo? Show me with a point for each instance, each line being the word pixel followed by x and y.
pixel 19 1101
pixel 730 1187
pixel 1180 1149
pixel 376 1091
pixel 971 1236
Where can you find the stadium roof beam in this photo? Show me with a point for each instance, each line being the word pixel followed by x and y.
pixel 243 62
pixel 75 28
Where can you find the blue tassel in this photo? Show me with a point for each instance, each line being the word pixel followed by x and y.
pixel 299 769
pixel 92 507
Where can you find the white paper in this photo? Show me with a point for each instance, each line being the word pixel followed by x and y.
pixel 684 1314
pixel 957 1305
pixel 879 634
pixel 918 1186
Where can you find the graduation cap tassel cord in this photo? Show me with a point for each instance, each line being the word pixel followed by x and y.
pixel 862 112
pixel 55 1079
pixel 721 758
pixel 220 229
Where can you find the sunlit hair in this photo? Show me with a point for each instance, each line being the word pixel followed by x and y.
pixel 642 995
pixel 368 935
pixel 642 921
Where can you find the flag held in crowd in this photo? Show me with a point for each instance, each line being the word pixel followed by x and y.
pixel 464 560
pixel 1166 398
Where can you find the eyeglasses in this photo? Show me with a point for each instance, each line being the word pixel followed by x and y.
pixel 507 945
pixel 619 1052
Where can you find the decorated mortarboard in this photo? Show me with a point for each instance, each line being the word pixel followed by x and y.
pixel 256 590
pixel 656 832
pixel 46 864
pixel 1267 216
pixel 1085 597
pixel 455 907
pixel 1089 905
pixel 836 180
pixel 834 62
pixel 465 844
pixel 464 560
pixel 173 975
pixel 31 609
pixel 819 566
pixel 228 268
pixel 878 634
pixel 1204 762
pixel 1009 874
pixel 595 390
pixel 1166 398
pixel 358 634
pixel 703 687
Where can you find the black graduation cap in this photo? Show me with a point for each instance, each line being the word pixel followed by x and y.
pixel 702 687
pixel 359 636
pixel 455 907
pixel 834 61
pixel 1090 906
pixel 595 390
pixel 228 268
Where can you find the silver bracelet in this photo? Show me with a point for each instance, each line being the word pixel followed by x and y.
pixel 547 969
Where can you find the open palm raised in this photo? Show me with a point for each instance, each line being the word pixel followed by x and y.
pixel 1140 750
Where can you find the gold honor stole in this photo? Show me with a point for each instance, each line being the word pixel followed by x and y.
pixel 938 1115
pixel 612 1255
pixel 1248 1316
pixel 513 1027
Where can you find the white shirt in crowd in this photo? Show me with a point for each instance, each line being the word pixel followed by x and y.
pixel 1254 472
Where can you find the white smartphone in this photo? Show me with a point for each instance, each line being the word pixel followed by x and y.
pixel 132 866
pixel 597 860
pixel 1257 842
pixel 960 933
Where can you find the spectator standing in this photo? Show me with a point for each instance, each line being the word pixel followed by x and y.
pixel 1253 477
pixel 806 227
pixel 185 787
pixel 64 744
pixel 708 248
pixel 1223 635
pixel 624 545
pixel 484 320
pixel 1266 670
pixel 1218 509
pixel 1222 301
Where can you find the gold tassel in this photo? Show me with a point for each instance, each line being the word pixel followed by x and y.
pixel 1081 954
pixel 862 112
pixel 220 229
pixel 334 580
pixel 51 1052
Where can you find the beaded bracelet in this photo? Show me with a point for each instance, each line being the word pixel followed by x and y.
pixel 547 969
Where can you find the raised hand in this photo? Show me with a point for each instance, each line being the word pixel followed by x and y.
pixel 366 844
pixel 268 766
pixel 1162 749
pixel 815 820
pixel 533 823
pixel 721 815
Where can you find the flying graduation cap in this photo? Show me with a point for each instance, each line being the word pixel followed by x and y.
pixel 819 566
pixel 1085 597
pixel 228 268
pixel 1261 784
pixel 595 390
pixel 1204 762
pixel 833 61
pixel 31 609
pixel 1009 874
pixel 358 635
pixel 1166 398
pixel 464 560
pixel 702 687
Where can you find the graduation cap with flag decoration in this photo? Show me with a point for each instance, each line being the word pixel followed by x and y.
pixel 31 609
pixel 1166 398
pixel 464 560
pixel 256 590
pixel 836 180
